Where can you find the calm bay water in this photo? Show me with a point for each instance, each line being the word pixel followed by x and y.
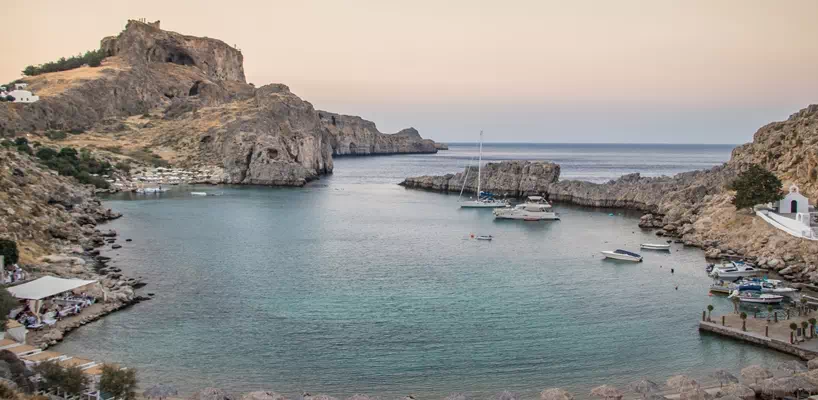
pixel 356 285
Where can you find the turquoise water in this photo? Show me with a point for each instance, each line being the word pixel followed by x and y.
pixel 356 285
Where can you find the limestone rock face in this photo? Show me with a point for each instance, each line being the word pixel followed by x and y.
pixel 507 178
pixel 351 135
pixel 43 212
pixel 145 43
pixel 787 148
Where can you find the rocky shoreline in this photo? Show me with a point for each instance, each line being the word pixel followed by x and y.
pixel 693 207
pixel 55 223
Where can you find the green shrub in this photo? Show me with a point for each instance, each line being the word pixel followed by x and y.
pixel 76 131
pixel 7 143
pixel 81 165
pixel 56 135
pixel 91 58
pixel 70 380
pixel 7 303
pixel 8 249
pixel 20 141
pixel 46 153
pixel 123 166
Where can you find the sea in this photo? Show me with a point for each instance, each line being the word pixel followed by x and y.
pixel 353 284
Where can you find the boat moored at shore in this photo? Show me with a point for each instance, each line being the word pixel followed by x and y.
pixel 735 270
pixel 536 208
pixel 624 255
pixel 655 246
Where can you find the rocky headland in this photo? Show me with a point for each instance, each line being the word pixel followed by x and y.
pixel 692 206
pixel 186 99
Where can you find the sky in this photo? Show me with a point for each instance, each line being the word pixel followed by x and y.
pixel 625 71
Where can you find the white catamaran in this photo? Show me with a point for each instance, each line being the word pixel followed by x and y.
pixel 484 200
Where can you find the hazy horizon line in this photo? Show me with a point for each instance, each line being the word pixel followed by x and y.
pixel 598 143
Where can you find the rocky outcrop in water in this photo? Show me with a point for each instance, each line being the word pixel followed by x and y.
pixel 185 98
pixel 351 135
pixel 507 178
pixel 693 206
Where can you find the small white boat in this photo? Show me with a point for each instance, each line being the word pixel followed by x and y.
pixel 484 237
pixel 655 246
pixel 624 255
pixel 198 193
pixel 755 298
pixel 734 270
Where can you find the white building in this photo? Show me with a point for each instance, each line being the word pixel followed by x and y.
pixel 794 202
pixel 793 215
pixel 23 96
pixel 20 86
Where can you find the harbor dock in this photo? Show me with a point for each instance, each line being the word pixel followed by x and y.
pixel 773 335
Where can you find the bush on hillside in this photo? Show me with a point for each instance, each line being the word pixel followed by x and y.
pixel 81 165
pixel 8 249
pixel 7 303
pixel 90 58
pixel 70 380
pixel 56 135
pixel 756 186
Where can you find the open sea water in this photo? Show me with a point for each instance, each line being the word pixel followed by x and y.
pixel 353 284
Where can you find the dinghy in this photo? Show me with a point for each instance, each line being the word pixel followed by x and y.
pixel 198 193
pixel 484 237
pixel 654 246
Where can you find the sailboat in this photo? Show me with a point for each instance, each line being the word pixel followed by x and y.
pixel 484 199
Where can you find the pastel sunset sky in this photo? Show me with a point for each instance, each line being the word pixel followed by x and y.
pixel 525 71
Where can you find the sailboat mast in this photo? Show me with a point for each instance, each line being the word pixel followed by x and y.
pixel 479 165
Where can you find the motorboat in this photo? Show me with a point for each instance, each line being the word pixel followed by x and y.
pixel 484 237
pixel 484 199
pixel 774 286
pixel 757 298
pixel 734 270
pixel 655 246
pixel 198 193
pixel 624 255
pixel 536 208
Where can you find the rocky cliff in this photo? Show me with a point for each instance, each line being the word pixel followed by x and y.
pixel 351 135
pixel 185 99
pixel 694 206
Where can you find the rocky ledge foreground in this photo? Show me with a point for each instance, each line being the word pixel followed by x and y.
pixel 185 99
pixel 693 206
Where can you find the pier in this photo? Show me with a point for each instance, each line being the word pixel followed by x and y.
pixel 773 335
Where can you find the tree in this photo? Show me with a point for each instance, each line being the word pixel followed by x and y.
pixel 755 186
pixel 804 325
pixel 8 249
pixel 769 313
pixel 743 316
pixel 812 327
pixel 120 383
pixel 709 311
pixel 736 302
pixel 70 380
pixel 793 327
pixel 10 98
pixel 7 303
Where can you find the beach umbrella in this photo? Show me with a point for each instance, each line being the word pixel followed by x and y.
pixel 755 372
pixel 695 393
pixel 556 394
pixel 682 383
pixel 263 396
pixel 607 392
pixel 792 367
pixel 781 387
pixel 506 395
pixel 644 387
pixel 458 396
pixel 738 390
pixel 812 364
pixel 211 394
pixel 160 391
pixel 724 377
